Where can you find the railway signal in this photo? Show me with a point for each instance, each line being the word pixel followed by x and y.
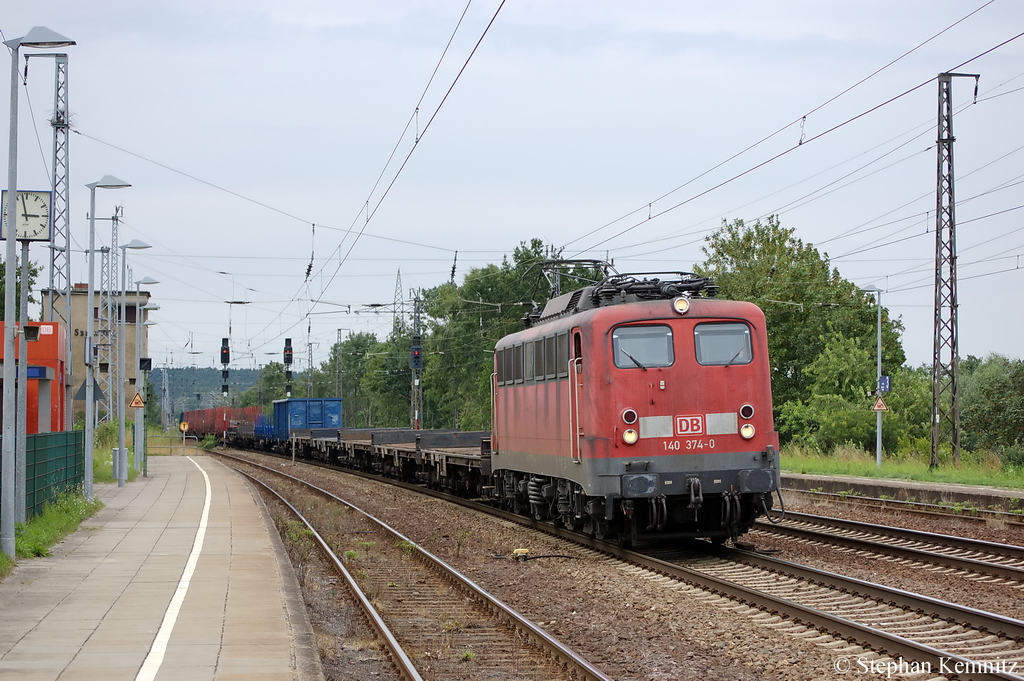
pixel 225 359
pixel 287 351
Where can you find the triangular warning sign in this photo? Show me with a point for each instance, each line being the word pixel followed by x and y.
pixel 879 405
pixel 137 402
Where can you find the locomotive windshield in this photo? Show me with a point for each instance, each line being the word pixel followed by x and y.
pixel 642 346
pixel 722 344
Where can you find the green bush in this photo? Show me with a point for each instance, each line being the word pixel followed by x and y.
pixel 209 442
pixel 1012 458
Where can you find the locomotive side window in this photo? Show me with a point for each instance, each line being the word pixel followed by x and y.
pixel 528 361
pixel 723 344
pixel 562 354
pixel 499 363
pixel 550 357
pixel 538 358
pixel 642 347
pixel 517 364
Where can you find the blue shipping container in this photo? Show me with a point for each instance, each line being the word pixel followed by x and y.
pixel 300 414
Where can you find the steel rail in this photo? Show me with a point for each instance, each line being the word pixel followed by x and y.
pixel 1008 550
pixel 975 514
pixel 944 610
pixel 976 565
pixel 398 655
pixel 547 642
pixel 877 639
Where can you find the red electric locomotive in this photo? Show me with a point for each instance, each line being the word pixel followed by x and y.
pixel 637 408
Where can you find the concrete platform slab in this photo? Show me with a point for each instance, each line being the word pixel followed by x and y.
pixel 180 576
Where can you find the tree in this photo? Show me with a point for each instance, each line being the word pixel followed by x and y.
pixel 387 382
pixel 269 386
pixel 33 271
pixel 992 403
pixel 804 299
pixel 464 324
pixel 842 368
pixel 354 352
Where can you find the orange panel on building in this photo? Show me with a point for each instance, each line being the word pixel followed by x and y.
pixel 46 374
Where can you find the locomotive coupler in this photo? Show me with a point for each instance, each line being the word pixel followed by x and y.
pixel 696 495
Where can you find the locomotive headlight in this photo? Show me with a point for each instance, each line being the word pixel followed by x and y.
pixel 630 436
pixel 746 431
pixel 681 305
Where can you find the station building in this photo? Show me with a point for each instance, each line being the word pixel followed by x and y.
pixel 104 350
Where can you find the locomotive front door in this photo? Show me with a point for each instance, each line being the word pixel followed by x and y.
pixel 575 385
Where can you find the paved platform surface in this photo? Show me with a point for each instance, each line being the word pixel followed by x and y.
pixel 179 577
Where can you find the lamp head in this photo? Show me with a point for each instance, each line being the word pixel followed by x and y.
pixel 108 182
pixel 135 244
pixel 146 281
pixel 40 37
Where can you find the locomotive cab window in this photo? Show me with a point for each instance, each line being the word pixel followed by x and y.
pixel 723 344
pixel 642 347
pixel 562 354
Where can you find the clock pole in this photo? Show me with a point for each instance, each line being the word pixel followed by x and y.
pixel 20 466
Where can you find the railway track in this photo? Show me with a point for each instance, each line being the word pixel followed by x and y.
pixel 435 622
pixel 965 512
pixel 948 637
pixel 951 640
pixel 973 558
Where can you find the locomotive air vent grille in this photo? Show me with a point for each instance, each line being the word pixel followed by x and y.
pixel 564 304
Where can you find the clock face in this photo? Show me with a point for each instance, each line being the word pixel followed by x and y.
pixel 32 216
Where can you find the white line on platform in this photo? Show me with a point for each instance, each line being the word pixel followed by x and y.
pixel 155 658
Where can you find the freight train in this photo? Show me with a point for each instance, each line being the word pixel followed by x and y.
pixel 635 408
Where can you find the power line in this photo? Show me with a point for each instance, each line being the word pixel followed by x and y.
pixel 799 120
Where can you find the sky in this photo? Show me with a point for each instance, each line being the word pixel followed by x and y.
pixel 257 137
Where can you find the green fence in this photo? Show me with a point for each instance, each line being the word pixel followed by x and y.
pixel 54 462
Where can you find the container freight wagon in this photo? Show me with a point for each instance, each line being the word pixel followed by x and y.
pixel 305 414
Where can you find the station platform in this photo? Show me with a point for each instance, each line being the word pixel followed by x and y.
pixel 938 493
pixel 181 576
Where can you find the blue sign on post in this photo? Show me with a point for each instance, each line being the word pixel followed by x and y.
pixel 884 384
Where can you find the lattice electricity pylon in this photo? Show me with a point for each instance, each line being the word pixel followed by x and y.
pixel 398 326
pixel 60 275
pixel 416 404
pixel 945 345
pixel 60 210
pixel 106 338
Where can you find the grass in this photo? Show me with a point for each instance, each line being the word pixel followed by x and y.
pixel 976 468
pixel 57 521
pixel 104 444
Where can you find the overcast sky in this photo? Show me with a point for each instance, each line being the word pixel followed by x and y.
pixel 242 124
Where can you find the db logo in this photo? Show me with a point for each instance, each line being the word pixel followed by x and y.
pixel 690 425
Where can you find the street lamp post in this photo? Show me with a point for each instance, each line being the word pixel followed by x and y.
pixel 121 468
pixel 107 182
pixel 140 414
pixel 39 37
pixel 140 428
pixel 878 379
